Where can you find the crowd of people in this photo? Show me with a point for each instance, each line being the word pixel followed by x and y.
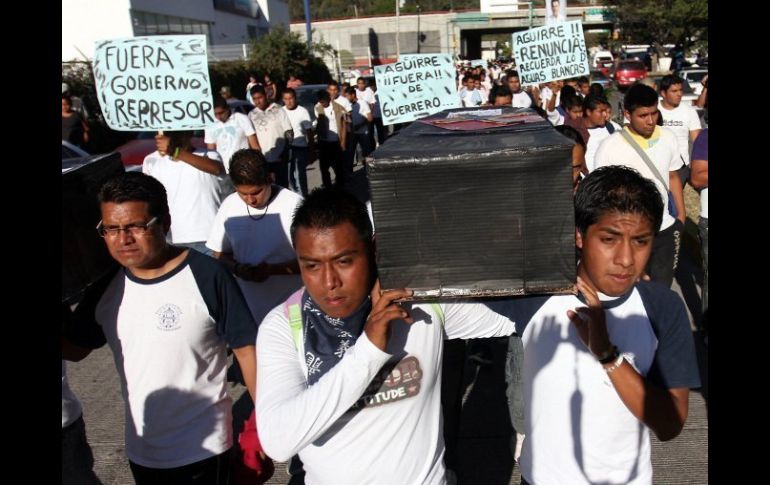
pixel 225 249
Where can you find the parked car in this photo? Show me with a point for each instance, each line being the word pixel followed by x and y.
pixel 240 106
pixel 68 150
pixel 601 57
pixel 605 66
pixel 628 72
pixel 693 77
pixel 133 152
pixel 600 78
pixel 306 97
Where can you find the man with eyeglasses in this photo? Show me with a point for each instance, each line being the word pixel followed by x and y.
pixel 168 316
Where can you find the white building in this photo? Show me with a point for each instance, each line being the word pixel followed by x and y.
pixel 224 22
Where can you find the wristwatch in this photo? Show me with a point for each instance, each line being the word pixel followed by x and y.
pixel 608 355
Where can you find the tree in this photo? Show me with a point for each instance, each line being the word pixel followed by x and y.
pixel 280 53
pixel 662 21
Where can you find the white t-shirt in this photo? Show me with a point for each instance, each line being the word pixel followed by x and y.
pixel 270 125
pixel 473 98
pixel 230 136
pixel 578 430
pixel 521 100
pixel 332 134
pixel 236 230
pixel 393 434
pixel 169 337
pixel 681 121
pixel 193 195
pixel 344 102
pixel 300 123
pixel 358 117
pixel 595 138
pixel 365 95
pixel 615 150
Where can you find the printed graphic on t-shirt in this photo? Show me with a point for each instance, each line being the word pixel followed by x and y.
pixel 393 383
pixel 169 317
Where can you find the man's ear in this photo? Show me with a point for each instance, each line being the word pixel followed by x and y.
pixel 578 239
pixel 271 178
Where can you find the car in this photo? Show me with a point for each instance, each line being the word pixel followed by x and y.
pixel 605 66
pixel 306 97
pixel 600 78
pixel 240 106
pixel 601 57
pixel 68 150
pixel 133 152
pixel 693 76
pixel 628 72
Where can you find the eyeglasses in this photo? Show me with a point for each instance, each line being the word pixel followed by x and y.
pixel 136 230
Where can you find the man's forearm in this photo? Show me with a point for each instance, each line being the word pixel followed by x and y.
pixel 247 360
pixel 664 412
pixel 204 164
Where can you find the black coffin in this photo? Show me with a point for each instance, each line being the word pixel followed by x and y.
pixel 485 212
pixel 84 256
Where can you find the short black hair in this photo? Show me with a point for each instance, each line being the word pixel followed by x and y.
pixel 257 88
pixel 512 73
pixel 502 91
pixel 569 101
pixel 567 90
pixel 639 96
pixel 333 83
pixel 290 91
pixel 572 134
pixel 592 101
pixel 323 95
pixel 327 207
pixel 669 80
pixel 350 90
pixel 582 80
pixel 249 167
pixel 596 88
pixel 616 188
pixel 219 102
pixel 136 187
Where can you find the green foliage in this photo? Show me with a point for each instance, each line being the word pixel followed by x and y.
pixel 280 53
pixel 663 21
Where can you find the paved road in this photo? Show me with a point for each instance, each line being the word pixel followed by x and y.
pixel 484 436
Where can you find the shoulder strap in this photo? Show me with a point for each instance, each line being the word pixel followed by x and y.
pixel 293 310
pixel 610 127
pixel 644 156
pixel 439 312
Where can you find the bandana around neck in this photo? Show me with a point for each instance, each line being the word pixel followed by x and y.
pixel 326 338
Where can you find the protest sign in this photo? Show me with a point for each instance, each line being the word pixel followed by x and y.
pixel 550 53
pixel 154 83
pixel 416 86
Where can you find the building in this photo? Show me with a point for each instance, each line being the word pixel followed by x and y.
pixel 224 22
pixel 371 40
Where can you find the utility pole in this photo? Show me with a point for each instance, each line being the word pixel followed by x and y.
pixel 419 38
pixel 307 25
pixel 398 28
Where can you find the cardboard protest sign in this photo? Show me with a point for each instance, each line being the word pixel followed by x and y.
pixel 550 53
pixel 154 83
pixel 416 86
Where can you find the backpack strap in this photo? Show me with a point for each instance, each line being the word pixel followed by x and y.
pixel 439 312
pixel 292 309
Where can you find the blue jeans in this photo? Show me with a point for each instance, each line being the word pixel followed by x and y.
pixel 281 172
pixel 298 161
pixel 514 389
pixel 77 460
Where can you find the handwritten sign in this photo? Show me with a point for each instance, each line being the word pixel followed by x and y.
pixel 416 86
pixel 154 83
pixel 550 53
